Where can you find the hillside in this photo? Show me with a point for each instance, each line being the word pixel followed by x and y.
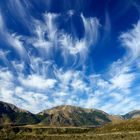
pixel 10 114
pixel 74 116
pixel 132 114
pixel 132 125
pixel 116 118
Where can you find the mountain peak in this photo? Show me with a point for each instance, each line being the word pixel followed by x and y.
pixel 67 115
pixel 9 106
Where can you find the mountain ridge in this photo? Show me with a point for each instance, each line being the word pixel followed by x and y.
pixel 75 116
pixel 65 115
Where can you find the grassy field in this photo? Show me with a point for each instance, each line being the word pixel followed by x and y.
pixel 126 130
pixel 122 136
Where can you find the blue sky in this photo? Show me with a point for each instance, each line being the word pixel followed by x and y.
pixel 75 52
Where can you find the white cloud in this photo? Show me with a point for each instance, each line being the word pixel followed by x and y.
pixel 122 81
pixel 6 86
pixel 91 26
pixel 51 28
pixel 32 100
pixel 6 76
pixel 78 84
pixel 18 67
pixel 37 82
pixel 131 40
pixel 73 46
pixel 12 39
pixel 6 95
pixel 12 92
pixel 90 102
pixel 22 12
pixel 1 22
pixel 124 106
pixel 71 13
pixel 48 37
pixel 45 35
pixel 17 44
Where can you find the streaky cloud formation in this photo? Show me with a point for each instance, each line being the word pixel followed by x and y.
pixel 52 66
pixel 130 40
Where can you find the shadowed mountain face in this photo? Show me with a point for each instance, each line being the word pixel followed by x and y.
pixel 74 116
pixel 10 114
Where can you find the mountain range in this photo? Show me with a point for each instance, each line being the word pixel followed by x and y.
pixel 60 116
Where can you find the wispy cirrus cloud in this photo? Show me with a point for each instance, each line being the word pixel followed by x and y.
pixel 12 40
pixel 49 39
pixel 131 41
pixel 21 12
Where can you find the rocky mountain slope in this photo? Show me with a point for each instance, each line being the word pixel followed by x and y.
pixel 74 116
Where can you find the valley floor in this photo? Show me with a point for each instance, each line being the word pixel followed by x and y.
pixel 112 136
pixel 115 136
pixel 62 133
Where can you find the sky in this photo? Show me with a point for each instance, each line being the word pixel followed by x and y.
pixel 70 52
